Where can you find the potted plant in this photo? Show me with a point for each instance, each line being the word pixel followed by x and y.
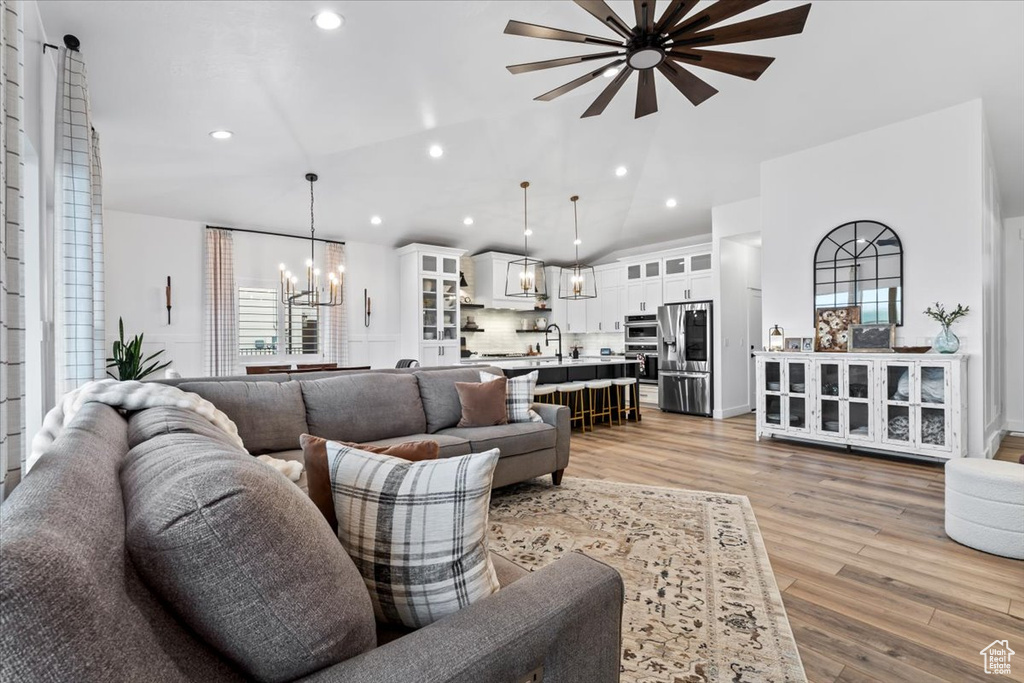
pixel 945 340
pixel 129 360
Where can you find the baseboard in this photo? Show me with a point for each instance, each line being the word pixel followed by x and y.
pixel 993 442
pixel 730 412
pixel 1015 426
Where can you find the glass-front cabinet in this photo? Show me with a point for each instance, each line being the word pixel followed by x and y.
pixel 896 402
pixel 430 304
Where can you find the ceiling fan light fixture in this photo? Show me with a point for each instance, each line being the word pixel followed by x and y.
pixel 328 20
pixel 646 58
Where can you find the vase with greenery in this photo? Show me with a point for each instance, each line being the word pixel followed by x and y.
pixel 945 340
pixel 129 360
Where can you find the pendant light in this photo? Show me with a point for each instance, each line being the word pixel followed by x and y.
pixel 318 290
pixel 577 281
pixel 525 277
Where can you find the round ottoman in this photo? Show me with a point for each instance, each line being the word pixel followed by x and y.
pixel 985 505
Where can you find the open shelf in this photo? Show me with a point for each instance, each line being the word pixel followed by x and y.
pixel 529 331
pixel 472 305
pixel 471 329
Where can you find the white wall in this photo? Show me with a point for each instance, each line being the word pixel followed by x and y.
pixel 737 268
pixel 141 251
pixel 1013 317
pixel 923 178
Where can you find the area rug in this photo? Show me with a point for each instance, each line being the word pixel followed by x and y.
pixel 701 603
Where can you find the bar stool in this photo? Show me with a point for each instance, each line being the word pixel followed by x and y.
pixel 544 393
pixel 633 394
pixel 572 394
pixel 600 388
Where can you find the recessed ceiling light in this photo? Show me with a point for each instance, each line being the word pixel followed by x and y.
pixel 328 20
pixel 221 134
pixel 436 151
pixel 376 220
pixel 670 203
pixel 527 232
pixel 577 241
pixel 468 220
pixel 610 72
pixel 621 171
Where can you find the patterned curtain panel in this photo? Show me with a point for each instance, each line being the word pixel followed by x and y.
pixel 221 335
pixel 12 231
pixel 335 335
pixel 78 214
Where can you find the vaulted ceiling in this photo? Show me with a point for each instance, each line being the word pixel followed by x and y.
pixel 361 106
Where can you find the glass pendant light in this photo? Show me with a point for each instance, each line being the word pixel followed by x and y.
pixel 318 290
pixel 576 281
pixel 525 277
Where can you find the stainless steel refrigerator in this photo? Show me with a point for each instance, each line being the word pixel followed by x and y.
pixel 684 358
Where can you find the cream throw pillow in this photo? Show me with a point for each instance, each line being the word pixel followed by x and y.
pixel 518 396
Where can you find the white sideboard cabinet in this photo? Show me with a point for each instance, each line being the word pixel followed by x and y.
pixel 904 403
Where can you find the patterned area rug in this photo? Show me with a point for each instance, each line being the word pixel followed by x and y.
pixel 701 603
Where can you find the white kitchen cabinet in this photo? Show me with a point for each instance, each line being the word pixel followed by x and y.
pixel 593 306
pixel 643 286
pixel 491 271
pixel 905 403
pixel 613 299
pixel 687 278
pixel 429 286
pixel 575 316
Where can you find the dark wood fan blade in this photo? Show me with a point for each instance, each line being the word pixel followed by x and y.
pixel 692 87
pixel 519 28
pixel 644 11
pixel 564 61
pixel 786 23
pixel 646 95
pixel 745 66
pixel 676 12
pixel 573 84
pixel 603 13
pixel 719 11
pixel 608 93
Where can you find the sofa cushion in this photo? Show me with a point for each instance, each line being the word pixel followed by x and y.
pixel 243 557
pixel 143 425
pixel 417 531
pixel 440 399
pixel 518 395
pixel 510 439
pixel 270 416
pixel 483 403
pixel 449 445
pixel 363 407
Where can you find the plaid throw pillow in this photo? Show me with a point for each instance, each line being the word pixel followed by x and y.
pixel 415 530
pixel 518 396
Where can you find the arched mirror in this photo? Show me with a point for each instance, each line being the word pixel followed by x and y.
pixel 861 263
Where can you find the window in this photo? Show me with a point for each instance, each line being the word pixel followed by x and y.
pixel 261 314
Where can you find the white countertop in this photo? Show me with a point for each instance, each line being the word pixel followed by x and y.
pixel 540 362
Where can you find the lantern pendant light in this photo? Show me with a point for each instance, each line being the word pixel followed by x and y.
pixel 525 277
pixel 318 290
pixel 577 281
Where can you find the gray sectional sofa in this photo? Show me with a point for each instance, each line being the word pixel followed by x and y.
pixel 382 408
pixel 148 547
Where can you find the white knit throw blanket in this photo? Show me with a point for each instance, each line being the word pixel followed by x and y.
pixel 138 396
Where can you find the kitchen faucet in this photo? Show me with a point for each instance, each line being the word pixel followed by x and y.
pixel 547 343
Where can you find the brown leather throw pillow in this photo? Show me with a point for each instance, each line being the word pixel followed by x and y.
pixel 318 478
pixel 483 403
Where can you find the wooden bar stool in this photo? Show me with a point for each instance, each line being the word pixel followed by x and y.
pixel 544 393
pixel 632 393
pixel 599 389
pixel 571 394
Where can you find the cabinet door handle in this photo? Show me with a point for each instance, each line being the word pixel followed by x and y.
pixel 599 326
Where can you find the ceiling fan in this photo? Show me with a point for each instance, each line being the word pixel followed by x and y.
pixel 667 44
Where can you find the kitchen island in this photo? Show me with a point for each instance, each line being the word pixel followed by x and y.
pixel 552 371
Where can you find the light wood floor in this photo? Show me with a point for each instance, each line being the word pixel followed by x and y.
pixel 874 589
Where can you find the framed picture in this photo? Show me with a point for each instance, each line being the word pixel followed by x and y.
pixel 872 338
pixel 792 344
pixel 832 328
pixel 807 344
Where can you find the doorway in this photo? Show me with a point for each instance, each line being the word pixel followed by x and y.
pixel 754 338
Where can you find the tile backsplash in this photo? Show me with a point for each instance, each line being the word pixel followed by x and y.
pixel 499 331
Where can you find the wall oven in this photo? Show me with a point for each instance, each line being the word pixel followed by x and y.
pixel 648 373
pixel 642 329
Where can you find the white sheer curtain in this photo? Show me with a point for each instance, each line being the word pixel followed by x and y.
pixel 78 231
pixel 335 331
pixel 12 232
pixel 220 343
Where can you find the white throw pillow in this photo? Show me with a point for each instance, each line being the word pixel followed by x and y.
pixel 518 396
pixel 417 531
